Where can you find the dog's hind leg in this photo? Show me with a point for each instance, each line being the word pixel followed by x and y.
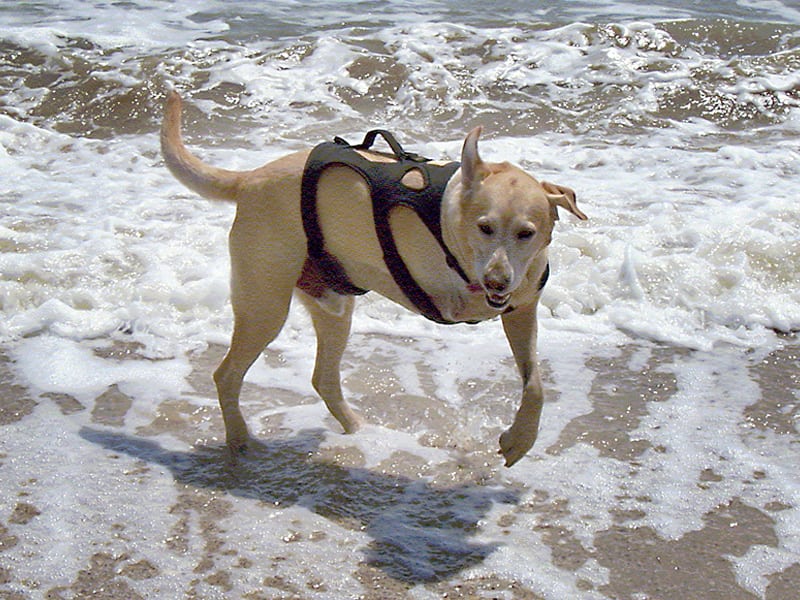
pixel 332 325
pixel 261 293
pixel 252 333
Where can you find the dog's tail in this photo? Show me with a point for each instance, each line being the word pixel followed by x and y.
pixel 208 181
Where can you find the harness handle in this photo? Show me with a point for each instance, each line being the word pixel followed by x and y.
pixel 397 149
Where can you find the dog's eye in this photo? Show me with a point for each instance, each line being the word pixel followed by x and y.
pixel 526 234
pixel 485 228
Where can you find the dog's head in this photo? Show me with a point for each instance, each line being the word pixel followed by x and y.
pixel 506 220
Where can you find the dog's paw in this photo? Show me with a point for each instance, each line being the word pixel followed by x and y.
pixel 515 443
pixel 351 422
pixel 238 446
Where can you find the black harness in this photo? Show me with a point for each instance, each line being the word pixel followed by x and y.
pixel 385 181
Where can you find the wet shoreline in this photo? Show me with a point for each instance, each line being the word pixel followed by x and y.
pixel 324 473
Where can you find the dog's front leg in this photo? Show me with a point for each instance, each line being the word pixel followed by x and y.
pixel 521 330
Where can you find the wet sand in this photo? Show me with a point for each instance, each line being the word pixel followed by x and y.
pixel 290 469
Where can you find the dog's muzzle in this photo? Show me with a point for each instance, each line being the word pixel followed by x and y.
pixel 497 301
pixel 494 299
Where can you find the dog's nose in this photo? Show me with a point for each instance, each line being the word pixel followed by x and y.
pixel 498 274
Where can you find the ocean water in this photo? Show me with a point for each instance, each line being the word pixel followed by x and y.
pixel 668 327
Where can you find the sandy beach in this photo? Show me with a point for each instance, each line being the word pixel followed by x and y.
pixel 463 499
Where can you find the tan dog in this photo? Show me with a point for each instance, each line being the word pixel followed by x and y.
pixel 496 220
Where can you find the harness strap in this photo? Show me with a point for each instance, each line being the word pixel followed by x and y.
pixel 545 276
pixel 426 202
pixel 385 181
pixel 427 206
pixel 325 266
pixel 387 191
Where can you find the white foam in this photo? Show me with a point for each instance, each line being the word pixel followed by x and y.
pixel 55 364
pixel 692 241
pixel 378 444
pixel 46 25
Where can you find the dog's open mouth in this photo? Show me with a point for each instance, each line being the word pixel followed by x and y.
pixel 497 300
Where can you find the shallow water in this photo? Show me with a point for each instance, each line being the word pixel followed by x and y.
pixel 665 466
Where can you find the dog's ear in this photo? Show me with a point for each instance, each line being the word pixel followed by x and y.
pixel 473 170
pixel 561 195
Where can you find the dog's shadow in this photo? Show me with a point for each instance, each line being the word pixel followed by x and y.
pixel 420 533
